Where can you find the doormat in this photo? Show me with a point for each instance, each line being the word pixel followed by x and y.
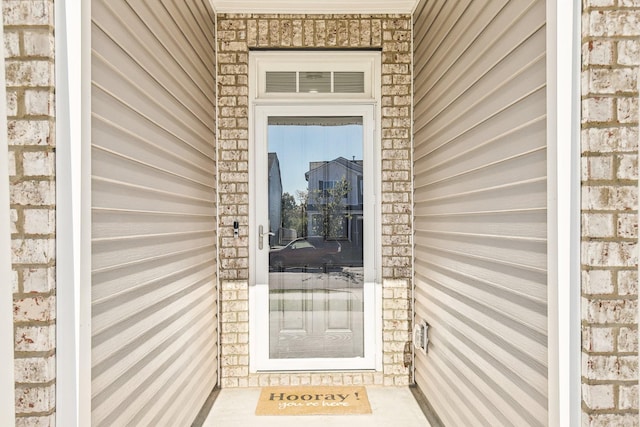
pixel 313 400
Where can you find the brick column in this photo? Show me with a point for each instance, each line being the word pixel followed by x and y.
pixel 29 42
pixel 397 202
pixel 610 62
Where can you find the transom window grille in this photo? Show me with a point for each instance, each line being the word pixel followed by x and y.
pixel 314 75
pixel 315 81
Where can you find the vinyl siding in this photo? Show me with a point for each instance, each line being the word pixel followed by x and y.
pixel 154 292
pixel 480 210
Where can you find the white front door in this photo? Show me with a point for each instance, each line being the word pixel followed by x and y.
pixel 313 181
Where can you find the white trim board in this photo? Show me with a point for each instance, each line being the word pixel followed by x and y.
pixel 67 307
pixel 563 130
pixel 315 7
pixel 73 127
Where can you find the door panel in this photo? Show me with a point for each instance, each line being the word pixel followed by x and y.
pixel 314 316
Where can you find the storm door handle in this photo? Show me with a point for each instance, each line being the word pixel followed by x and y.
pixel 261 235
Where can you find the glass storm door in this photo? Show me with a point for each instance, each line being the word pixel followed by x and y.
pixel 314 272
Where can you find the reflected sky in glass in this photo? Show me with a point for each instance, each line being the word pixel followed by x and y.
pixel 296 146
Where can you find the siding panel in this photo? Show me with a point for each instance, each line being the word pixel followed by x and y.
pixel 480 210
pixel 154 291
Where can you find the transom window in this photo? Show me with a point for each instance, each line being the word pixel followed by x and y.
pixel 314 81
pixel 310 75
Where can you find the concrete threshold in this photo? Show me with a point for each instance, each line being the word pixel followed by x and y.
pixel 391 406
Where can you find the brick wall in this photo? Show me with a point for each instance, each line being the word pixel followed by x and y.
pixel 29 52
pixel 610 64
pixel 237 34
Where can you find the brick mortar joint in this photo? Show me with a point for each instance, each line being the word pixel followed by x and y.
pixel 611 411
pixel 48 413
pixel 29 26
pixel 614 38
pixel 610 296
pixel 22 295
pixel 613 65
pixel 617 326
pixel 610 211
pixel 613 8
pixel 36 323
pixel 51 323
pixel 613 269
pixel 29 58
pixel 612 239
pixel 20 90
pixel 27 236
pixel 16 266
pixel 21 177
pixel 18 355
pixel 35 383
pixel 616 182
pixel 34 148
pixel 616 383
pixel 38 118
pixel 609 125
pixel 628 354
pixel 616 96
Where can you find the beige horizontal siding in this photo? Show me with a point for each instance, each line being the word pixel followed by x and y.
pixel 154 295
pixel 480 210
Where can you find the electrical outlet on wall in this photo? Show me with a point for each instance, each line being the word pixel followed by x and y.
pixel 421 335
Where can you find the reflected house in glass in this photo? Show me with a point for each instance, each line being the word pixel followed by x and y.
pixel 335 207
pixel 275 198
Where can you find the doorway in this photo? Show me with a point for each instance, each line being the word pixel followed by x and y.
pixel 315 246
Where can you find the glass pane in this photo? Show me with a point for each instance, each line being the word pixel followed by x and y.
pixel 315 82
pixel 281 82
pixel 348 82
pixel 316 217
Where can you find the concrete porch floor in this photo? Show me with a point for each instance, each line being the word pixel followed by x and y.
pixel 391 406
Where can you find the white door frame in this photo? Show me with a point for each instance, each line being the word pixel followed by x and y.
pixel 259 274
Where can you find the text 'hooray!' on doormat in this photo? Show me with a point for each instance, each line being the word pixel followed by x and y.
pixel 313 400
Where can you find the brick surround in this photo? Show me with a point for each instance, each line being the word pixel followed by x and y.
pixel 29 62
pixel 237 33
pixel 610 82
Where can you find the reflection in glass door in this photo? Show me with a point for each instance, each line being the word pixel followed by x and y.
pixel 314 270
pixel 316 278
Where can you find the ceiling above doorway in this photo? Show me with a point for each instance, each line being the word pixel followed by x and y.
pixel 310 7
